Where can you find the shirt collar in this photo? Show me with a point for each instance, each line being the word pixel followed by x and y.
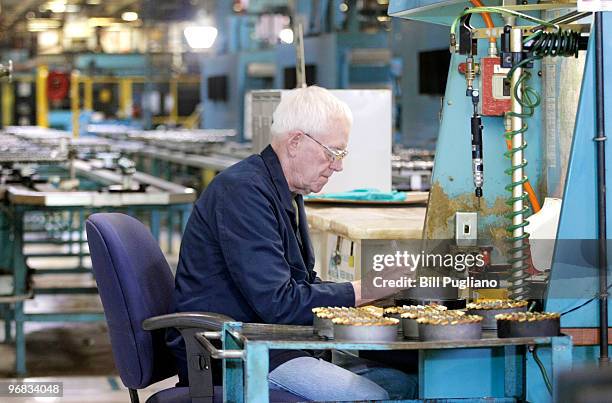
pixel 278 177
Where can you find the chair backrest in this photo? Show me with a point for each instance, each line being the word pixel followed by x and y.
pixel 135 283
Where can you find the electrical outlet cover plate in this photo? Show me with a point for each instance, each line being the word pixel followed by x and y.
pixel 466 228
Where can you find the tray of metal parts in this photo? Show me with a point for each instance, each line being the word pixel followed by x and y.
pixel 539 326
pixel 461 331
pixel 489 322
pixel 324 327
pixel 365 332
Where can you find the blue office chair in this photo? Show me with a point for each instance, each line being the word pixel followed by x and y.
pixel 135 284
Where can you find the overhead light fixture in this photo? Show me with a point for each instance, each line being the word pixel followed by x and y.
pixel 129 16
pixel 56 6
pixel 286 35
pixel 200 37
pixel 94 2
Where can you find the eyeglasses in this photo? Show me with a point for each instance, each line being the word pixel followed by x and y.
pixel 334 153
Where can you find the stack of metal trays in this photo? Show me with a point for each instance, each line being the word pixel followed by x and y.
pixel 365 329
pixel 16 150
pixel 528 324
pixel 489 308
pixel 355 324
pixel 115 132
pixel 409 315
pixel 446 327
pixel 182 140
pixel 39 135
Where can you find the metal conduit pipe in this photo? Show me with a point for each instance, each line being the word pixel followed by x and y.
pixel 600 140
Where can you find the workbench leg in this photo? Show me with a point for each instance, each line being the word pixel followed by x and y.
pixel 20 345
pixel 155 222
pixel 7 314
pixel 515 371
pixel 71 240
pixel 170 229
pixel 257 364
pixel 168 171
pixel 20 273
pixel 233 373
pixel 155 169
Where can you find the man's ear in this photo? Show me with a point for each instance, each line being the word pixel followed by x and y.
pixel 292 143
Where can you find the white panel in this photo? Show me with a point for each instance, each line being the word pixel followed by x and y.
pixel 368 164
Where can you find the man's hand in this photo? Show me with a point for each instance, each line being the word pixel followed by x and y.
pixel 357 289
pixel 361 301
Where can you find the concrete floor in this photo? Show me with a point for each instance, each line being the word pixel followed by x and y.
pixel 77 354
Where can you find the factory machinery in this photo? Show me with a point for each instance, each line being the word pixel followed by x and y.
pixel 519 171
pixel 49 184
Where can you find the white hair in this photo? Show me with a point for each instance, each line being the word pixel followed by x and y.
pixel 313 110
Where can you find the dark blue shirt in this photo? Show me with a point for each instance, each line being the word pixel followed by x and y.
pixel 241 255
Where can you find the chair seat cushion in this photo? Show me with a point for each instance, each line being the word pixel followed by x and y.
pixel 171 395
pixel 181 395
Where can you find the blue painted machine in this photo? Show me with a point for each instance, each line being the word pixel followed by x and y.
pixel 516 79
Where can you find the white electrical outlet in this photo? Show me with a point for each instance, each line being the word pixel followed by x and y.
pixel 466 228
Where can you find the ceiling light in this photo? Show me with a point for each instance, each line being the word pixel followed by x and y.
pixel 129 16
pixel 56 7
pixel 286 35
pixel 94 2
pixel 200 37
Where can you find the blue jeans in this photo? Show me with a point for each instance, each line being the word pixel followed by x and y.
pixel 316 379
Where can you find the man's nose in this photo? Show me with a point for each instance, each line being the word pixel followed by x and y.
pixel 337 165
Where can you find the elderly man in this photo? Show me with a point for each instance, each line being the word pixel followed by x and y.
pixel 246 252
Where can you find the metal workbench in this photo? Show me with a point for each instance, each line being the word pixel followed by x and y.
pixel 20 210
pixel 500 370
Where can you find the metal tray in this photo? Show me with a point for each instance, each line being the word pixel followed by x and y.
pixel 410 328
pixel 538 328
pixel 466 331
pixel 323 327
pixel 365 333
pixel 489 322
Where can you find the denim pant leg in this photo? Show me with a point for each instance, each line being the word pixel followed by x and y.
pixel 315 379
pixel 398 384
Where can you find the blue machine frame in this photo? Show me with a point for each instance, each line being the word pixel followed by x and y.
pixel 578 220
pixel 572 269
pixel 503 368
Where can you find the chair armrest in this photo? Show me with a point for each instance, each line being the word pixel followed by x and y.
pixel 200 320
pixel 198 358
